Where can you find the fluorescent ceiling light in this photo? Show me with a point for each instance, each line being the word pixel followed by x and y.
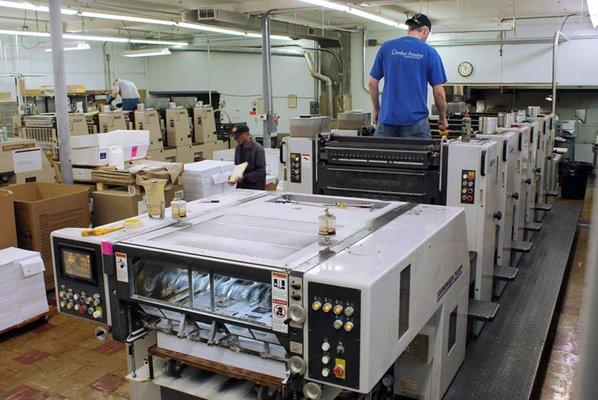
pixel 278 37
pixel 593 9
pixel 147 53
pixel 92 38
pixel 208 28
pixel 24 33
pixel 126 18
pixel 77 46
pixel 24 5
pixel 373 17
pixel 357 12
pixel 327 4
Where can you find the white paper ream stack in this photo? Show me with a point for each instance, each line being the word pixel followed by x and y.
pixel 206 178
pixel 22 290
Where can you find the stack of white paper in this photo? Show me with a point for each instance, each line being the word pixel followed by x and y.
pixel 272 161
pixel 207 178
pixel 22 290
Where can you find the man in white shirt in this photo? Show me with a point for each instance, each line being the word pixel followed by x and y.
pixel 128 93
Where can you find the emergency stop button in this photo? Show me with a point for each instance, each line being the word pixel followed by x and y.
pixel 339 369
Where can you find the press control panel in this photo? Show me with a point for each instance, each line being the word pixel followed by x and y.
pixel 334 326
pixel 79 277
pixel 295 166
pixel 81 303
pixel 468 186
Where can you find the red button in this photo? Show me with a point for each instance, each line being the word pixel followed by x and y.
pixel 338 371
pixel 82 309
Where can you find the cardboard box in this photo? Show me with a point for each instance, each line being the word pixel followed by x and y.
pixel 117 204
pixel 94 150
pixel 8 228
pixel 40 209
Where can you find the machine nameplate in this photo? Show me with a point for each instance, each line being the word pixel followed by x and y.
pixel 122 267
pixel 280 301
pixel 447 285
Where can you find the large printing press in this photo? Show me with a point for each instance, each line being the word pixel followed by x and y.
pixel 501 170
pixel 364 279
pixel 278 296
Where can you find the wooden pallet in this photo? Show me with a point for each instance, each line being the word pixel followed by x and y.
pixel 27 322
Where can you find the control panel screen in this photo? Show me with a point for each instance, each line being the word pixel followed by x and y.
pixel 77 264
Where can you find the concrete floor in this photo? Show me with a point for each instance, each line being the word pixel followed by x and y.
pixel 61 359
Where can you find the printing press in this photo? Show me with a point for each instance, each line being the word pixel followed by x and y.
pixel 258 295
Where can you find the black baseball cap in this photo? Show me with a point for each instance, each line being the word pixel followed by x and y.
pixel 419 21
pixel 239 129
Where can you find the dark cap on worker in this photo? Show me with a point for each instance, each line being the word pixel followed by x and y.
pixel 239 129
pixel 419 21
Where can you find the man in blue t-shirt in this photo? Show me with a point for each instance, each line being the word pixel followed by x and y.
pixel 407 65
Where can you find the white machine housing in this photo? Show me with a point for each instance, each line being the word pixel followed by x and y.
pixel 509 185
pixel 472 179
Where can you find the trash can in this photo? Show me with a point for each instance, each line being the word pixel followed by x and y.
pixel 573 178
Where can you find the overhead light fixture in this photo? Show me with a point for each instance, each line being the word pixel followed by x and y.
pixel 593 9
pixel 76 46
pixel 209 28
pixel 357 12
pixel 91 38
pixel 278 37
pixel 23 33
pixel 327 4
pixel 129 18
pixel 147 52
pixel 126 18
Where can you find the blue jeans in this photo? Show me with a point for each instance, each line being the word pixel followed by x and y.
pixel 130 104
pixel 421 130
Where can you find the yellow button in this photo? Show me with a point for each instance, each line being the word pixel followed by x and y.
pixel 316 305
pixel 327 307
pixel 338 309
pixel 349 326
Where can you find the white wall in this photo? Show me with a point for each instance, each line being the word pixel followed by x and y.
pixel 238 77
pixel 520 63
pixel 83 67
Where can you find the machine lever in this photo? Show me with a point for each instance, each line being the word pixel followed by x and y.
pixel 280 153
pixel 483 171
pixel 136 335
pixel 515 196
pixel 528 181
pixel 497 215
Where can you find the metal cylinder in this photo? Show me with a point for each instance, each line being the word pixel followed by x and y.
pixel 503 120
pixel 488 125
pixel 533 111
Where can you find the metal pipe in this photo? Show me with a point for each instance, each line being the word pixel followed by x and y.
pixel 267 79
pixel 326 79
pixel 60 97
pixel 555 45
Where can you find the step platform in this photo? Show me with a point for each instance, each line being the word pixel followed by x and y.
pixel 505 273
pixel 533 226
pixel 542 207
pixel 521 246
pixel 482 310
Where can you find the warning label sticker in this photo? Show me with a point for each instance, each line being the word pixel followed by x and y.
pixel 122 267
pixel 280 301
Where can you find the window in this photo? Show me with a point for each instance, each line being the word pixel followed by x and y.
pixel 452 339
pixel 404 289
